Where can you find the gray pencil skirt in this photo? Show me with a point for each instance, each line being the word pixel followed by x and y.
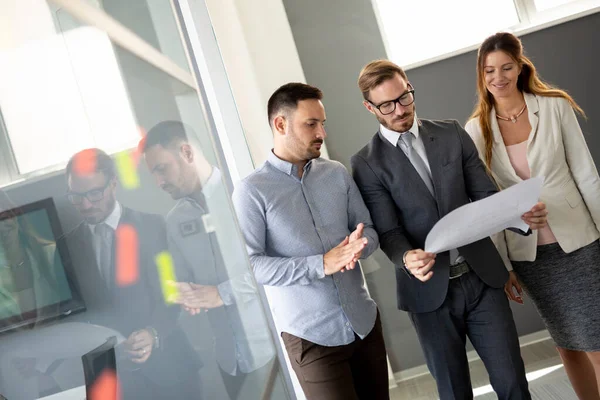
pixel 565 289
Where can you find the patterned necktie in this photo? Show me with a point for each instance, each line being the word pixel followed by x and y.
pixel 104 251
pixel 416 160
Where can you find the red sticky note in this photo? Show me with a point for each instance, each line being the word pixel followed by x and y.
pixel 84 162
pixel 137 153
pixel 127 265
pixel 106 387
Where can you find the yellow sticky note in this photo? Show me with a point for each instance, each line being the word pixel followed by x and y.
pixel 166 273
pixel 127 170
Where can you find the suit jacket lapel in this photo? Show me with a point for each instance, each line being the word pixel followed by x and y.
pixel 433 159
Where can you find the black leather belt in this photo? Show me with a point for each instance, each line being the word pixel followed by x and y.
pixel 459 269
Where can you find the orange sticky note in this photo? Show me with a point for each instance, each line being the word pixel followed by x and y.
pixel 84 162
pixel 127 254
pixel 106 387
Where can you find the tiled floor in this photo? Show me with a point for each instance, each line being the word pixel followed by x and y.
pixel 537 356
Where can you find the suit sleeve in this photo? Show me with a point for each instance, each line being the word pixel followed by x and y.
pixel 392 237
pixel 499 240
pixel 357 213
pixel 579 158
pixel 272 271
pixel 477 181
pixel 164 316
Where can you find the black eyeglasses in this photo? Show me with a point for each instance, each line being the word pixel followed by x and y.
pixel 93 195
pixel 388 107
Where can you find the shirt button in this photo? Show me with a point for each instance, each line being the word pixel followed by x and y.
pixel 349 330
pixel 347 323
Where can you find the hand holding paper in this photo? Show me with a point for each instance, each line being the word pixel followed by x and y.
pixel 515 207
pixel 420 263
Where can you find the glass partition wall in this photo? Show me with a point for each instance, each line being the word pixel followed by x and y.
pixel 122 266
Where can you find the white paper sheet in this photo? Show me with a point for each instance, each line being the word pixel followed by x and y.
pixel 483 218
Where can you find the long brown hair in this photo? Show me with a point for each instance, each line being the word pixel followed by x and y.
pixel 528 82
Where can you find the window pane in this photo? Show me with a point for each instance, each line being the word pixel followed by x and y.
pixel 61 93
pixel 90 290
pixel 419 30
pixel 542 5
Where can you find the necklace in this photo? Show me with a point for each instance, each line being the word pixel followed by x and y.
pixel 514 117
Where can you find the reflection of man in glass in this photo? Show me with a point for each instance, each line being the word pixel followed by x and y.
pixel 243 343
pixel 163 362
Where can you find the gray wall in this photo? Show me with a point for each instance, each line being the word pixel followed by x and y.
pixel 338 40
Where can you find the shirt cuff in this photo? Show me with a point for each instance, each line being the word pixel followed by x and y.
pixel 316 269
pixel 226 292
pixel 410 275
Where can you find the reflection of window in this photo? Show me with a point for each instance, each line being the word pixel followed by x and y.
pixel 417 31
pixel 541 5
pixel 59 94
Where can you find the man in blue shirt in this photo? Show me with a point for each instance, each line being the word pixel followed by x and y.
pixel 306 226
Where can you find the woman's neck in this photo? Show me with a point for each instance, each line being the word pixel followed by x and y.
pixel 511 105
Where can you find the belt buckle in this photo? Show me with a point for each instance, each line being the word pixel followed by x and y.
pixel 463 267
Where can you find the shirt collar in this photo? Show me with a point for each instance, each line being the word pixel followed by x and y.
pixel 286 166
pixel 393 136
pixel 113 218
pixel 213 182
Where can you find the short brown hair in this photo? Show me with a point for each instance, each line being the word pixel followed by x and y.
pixel 288 96
pixel 375 73
pixel 91 160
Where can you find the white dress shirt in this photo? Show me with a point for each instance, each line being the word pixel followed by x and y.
pixel 113 221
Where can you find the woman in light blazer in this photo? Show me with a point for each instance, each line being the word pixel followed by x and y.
pixel 523 128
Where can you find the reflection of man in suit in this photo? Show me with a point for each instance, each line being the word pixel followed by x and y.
pixel 411 174
pixel 243 342
pixel 163 362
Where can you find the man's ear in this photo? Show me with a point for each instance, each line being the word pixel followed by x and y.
pixel 280 124
pixel 369 107
pixel 113 182
pixel 187 152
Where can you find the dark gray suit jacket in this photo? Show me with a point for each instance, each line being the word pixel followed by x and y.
pixel 136 306
pixel 404 211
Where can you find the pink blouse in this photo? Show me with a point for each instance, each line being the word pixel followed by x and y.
pixel 517 153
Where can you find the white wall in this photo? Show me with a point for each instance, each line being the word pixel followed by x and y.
pixel 260 55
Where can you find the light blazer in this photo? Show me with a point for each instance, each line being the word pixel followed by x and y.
pixel 556 150
pixel 404 211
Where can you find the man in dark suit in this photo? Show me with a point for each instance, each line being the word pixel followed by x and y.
pixel 113 257
pixel 412 173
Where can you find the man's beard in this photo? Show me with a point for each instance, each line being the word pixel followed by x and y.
pixel 398 128
pixel 309 152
